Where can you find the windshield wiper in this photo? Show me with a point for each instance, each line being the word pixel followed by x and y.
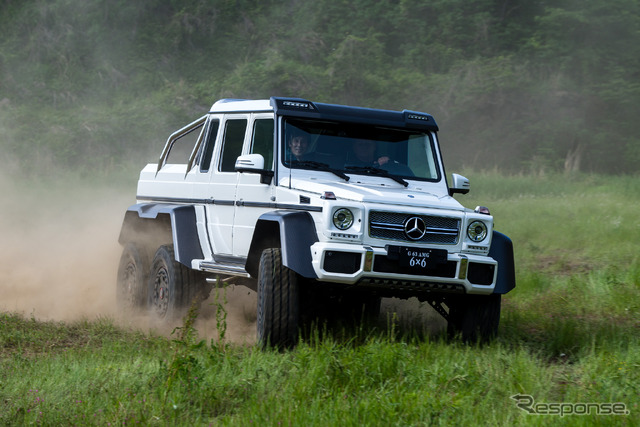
pixel 370 170
pixel 319 166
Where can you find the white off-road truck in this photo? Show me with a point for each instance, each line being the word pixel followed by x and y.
pixel 319 208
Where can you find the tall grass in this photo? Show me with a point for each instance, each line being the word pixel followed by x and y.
pixel 569 333
pixel 127 378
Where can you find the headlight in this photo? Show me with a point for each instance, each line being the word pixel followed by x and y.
pixel 343 218
pixel 477 231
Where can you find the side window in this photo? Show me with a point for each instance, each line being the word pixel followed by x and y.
pixel 262 142
pixel 182 147
pixel 232 145
pixel 209 145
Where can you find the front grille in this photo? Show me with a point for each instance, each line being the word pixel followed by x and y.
pixel 390 226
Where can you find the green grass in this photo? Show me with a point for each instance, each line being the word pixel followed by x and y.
pixel 569 333
pixel 97 374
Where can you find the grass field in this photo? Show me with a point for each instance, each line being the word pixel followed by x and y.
pixel 569 339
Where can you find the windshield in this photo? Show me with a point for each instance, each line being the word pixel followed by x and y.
pixel 348 148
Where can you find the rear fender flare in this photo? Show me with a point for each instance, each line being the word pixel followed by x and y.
pixel 155 224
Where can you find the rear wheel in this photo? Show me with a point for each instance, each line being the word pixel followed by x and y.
pixel 278 302
pixel 474 317
pixel 173 287
pixel 133 272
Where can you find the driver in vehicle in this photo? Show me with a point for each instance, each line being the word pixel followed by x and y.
pixel 364 154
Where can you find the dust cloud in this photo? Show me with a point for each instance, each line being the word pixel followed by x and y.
pixel 59 255
pixel 58 250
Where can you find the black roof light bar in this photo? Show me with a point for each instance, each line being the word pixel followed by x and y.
pixel 297 107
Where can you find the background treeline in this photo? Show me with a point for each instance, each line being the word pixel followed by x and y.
pixel 516 85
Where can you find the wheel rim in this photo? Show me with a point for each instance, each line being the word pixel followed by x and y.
pixel 160 298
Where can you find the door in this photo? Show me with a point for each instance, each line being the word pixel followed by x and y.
pixel 220 207
pixel 253 197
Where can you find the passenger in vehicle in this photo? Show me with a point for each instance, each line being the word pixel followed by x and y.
pixel 299 147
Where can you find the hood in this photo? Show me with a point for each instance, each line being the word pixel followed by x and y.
pixel 379 190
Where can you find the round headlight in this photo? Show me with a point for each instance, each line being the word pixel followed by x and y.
pixel 343 218
pixel 477 231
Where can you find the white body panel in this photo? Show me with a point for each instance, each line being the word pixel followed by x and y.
pixel 228 205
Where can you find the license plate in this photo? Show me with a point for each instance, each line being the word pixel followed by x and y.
pixel 418 258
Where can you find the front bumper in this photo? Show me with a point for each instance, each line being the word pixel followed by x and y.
pixel 371 266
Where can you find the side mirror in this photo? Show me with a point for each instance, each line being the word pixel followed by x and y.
pixel 254 163
pixel 250 163
pixel 460 184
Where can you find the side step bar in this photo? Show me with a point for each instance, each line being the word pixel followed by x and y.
pixel 230 269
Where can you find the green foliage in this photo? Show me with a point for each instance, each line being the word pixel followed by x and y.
pixel 325 382
pixel 221 315
pixel 515 85
pixel 183 367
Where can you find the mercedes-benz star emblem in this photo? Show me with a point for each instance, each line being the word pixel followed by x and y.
pixel 415 228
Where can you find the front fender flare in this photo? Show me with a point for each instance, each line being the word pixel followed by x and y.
pixel 502 251
pixel 293 232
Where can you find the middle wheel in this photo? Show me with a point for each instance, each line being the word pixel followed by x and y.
pixel 173 287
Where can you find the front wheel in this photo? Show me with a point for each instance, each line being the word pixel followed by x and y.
pixel 474 317
pixel 278 302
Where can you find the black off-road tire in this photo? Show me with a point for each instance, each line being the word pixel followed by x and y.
pixel 133 274
pixel 278 302
pixel 173 287
pixel 474 317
